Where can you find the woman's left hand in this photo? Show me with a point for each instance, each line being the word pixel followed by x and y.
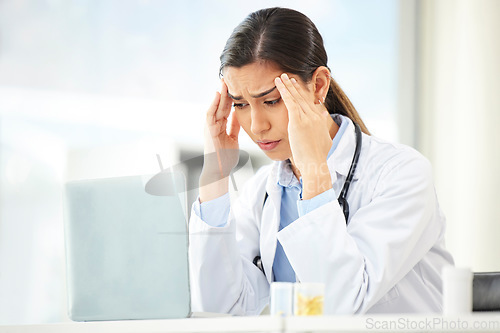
pixel 309 137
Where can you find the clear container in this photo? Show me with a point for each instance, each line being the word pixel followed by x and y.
pixel 281 299
pixel 309 299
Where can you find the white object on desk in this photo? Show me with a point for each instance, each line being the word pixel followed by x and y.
pixel 457 290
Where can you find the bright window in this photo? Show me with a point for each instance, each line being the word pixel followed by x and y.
pixel 96 88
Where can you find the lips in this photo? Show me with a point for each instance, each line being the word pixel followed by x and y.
pixel 268 144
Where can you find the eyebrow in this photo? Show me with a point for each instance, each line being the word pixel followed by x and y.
pixel 259 95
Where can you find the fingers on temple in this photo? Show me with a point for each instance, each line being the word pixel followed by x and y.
pixel 289 100
pixel 296 91
pixel 225 103
pixel 214 106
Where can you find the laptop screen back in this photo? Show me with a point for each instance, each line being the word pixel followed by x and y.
pixel 126 250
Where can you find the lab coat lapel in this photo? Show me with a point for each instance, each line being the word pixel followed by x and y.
pixel 270 223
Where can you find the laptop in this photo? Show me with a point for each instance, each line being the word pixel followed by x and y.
pixel 127 248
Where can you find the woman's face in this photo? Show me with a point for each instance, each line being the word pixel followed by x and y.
pixel 258 106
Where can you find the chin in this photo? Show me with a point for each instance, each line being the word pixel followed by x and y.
pixel 276 156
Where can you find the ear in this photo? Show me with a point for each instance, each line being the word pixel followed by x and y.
pixel 321 83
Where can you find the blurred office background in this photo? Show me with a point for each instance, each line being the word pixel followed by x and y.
pixel 94 88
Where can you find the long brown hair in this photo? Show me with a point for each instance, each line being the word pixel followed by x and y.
pixel 291 40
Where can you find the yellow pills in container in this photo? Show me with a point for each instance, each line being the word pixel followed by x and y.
pixel 309 299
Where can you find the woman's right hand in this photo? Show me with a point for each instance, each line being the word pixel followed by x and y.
pixel 221 147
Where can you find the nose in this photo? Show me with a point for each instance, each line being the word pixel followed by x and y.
pixel 260 122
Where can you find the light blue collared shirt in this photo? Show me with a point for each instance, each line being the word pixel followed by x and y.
pixel 215 212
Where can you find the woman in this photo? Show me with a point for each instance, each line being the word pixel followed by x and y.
pixel 381 251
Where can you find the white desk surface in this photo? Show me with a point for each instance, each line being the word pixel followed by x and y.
pixel 482 322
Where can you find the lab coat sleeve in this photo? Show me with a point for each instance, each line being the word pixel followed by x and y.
pixel 223 276
pixel 384 240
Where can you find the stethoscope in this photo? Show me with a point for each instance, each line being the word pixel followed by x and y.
pixel 342 197
pixel 343 194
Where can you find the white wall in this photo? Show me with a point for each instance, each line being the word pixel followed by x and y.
pixel 459 113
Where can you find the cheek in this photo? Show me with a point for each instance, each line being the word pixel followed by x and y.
pixel 243 119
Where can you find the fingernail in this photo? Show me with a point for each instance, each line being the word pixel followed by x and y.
pixel 285 76
pixel 293 80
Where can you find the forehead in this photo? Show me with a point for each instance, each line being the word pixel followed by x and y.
pixel 251 79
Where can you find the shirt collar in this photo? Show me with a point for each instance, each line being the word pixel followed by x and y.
pixel 341 159
pixel 339 120
pixel 286 177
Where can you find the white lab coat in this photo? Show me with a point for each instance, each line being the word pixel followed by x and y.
pixel 387 259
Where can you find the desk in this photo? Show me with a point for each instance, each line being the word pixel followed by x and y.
pixel 377 323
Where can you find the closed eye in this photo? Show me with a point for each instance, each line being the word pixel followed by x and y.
pixel 269 103
pixel 239 105
pixel 273 102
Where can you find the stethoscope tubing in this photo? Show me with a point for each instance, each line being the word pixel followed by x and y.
pixel 343 194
